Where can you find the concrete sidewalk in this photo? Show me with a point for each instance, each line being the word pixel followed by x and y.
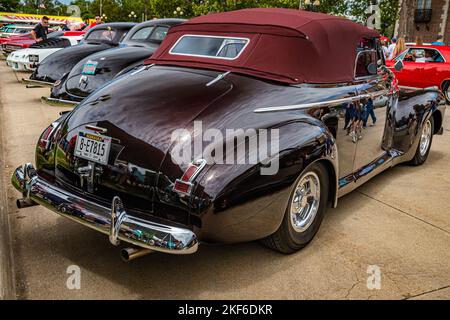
pixel 399 224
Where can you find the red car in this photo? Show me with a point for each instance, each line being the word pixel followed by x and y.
pixel 8 45
pixel 425 66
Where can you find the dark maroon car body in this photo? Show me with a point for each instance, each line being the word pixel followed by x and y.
pixel 231 203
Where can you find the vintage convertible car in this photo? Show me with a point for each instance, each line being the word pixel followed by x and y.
pixel 98 69
pixel 425 66
pixel 27 59
pixel 235 130
pixel 99 38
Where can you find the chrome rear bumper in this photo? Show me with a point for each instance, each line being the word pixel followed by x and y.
pixel 37 83
pixel 114 221
pixel 58 102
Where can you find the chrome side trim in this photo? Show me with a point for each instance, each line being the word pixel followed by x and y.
pixel 433 88
pixel 114 221
pixel 218 78
pixel 327 103
pixel 37 83
pixel 58 102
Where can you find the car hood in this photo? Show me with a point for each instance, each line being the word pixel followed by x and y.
pixel 109 63
pixel 20 53
pixel 55 66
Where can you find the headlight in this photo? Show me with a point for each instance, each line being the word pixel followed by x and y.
pixel 34 58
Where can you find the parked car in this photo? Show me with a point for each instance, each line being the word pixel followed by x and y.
pixel 14 30
pixel 8 45
pixel 27 59
pixel 98 69
pixel 425 66
pixel 99 38
pixel 144 158
pixel 16 43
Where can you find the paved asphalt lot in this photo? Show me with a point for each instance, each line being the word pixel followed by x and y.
pixel 400 222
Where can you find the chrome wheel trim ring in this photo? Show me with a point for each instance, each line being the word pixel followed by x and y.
pixel 447 93
pixel 425 139
pixel 305 202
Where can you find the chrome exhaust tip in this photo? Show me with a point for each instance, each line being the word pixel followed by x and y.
pixel 25 203
pixel 130 254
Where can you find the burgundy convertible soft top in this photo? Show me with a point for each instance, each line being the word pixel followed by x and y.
pixel 289 46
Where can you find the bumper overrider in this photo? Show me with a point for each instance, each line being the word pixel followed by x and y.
pixel 114 221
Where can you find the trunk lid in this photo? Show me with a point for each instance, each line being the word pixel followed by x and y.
pixel 139 113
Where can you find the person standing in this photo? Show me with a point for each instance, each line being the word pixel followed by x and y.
pixel 369 111
pixel 391 48
pixel 439 41
pixel 98 20
pixel 400 46
pixel 40 31
pixel 384 46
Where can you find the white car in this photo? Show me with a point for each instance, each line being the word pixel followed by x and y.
pixel 28 59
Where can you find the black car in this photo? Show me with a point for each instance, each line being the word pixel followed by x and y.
pixel 100 68
pixel 99 38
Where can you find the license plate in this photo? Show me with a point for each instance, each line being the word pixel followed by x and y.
pixel 89 68
pixel 93 147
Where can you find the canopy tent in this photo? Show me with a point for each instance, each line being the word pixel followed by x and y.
pixel 10 18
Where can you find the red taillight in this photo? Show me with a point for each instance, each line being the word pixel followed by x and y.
pixel 182 187
pixel 190 171
pixel 185 184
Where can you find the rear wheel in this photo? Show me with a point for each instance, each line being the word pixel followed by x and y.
pixel 305 212
pixel 426 140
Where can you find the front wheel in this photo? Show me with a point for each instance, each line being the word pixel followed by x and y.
pixel 426 140
pixel 304 214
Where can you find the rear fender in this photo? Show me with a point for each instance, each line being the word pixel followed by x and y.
pixel 244 205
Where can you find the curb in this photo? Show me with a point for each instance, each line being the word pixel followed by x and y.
pixel 7 283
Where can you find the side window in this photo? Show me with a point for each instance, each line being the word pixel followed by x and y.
pixel 422 55
pixel 366 64
pixel 142 34
pixel 160 33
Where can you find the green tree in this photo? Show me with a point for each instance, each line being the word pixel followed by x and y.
pixel 9 5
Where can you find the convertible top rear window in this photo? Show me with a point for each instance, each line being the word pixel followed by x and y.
pixel 228 48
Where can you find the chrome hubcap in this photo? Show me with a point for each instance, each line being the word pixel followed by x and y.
pixel 447 93
pixel 305 202
pixel 425 138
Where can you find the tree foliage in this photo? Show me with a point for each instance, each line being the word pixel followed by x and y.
pixel 120 10
pixel 9 5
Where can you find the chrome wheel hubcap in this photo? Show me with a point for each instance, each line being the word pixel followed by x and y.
pixel 305 202
pixel 425 138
